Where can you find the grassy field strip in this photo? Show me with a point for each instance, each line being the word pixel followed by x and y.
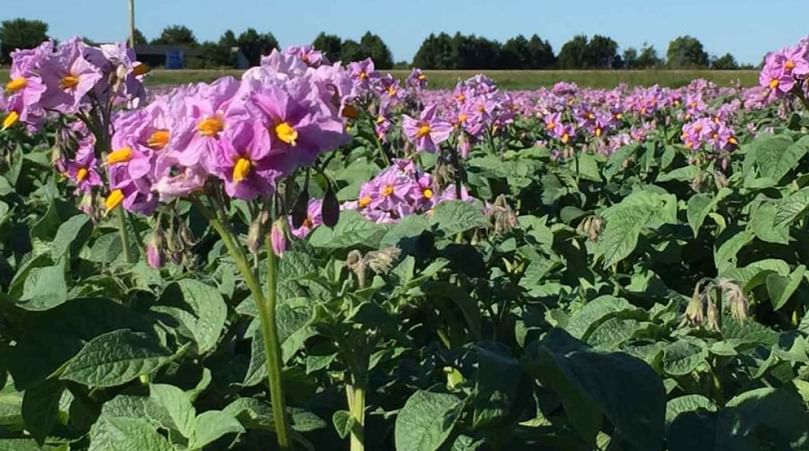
pixel 508 79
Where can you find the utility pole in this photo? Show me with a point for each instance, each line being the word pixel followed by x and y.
pixel 132 24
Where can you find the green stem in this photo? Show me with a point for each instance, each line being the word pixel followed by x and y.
pixel 124 234
pixel 266 315
pixel 272 349
pixel 356 405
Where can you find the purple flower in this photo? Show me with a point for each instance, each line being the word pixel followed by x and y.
pixel 244 161
pixel 69 77
pixel 428 131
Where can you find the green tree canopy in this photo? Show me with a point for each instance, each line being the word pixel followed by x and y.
pixel 540 54
pixel 254 44
pixel 176 35
pixel 21 34
pixel 140 39
pixel 725 62
pixel 573 53
pixel 648 57
pixel 329 44
pixel 372 46
pixel 601 53
pixel 350 51
pixel 515 53
pixel 686 51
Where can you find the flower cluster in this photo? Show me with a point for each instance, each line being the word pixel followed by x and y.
pixel 711 132
pixel 70 78
pixel 400 190
pixel 786 69
pixel 246 134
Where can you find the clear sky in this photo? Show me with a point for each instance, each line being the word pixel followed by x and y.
pixel 746 28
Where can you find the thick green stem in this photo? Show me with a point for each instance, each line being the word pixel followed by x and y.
pixel 266 315
pixel 356 406
pixel 124 234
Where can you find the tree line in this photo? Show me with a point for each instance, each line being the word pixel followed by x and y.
pixel 437 51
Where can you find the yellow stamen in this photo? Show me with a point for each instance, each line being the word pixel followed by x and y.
pixel 422 77
pixel 565 138
pixel 158 139
pixel 286 133
pixel 462 118
pixel 598 132
pixel 364 201
pixel 363 75
pixel 69 82
pixel 427 193
pixel 11 119
pixel 308 222
pixel 141 69
pixel 774 83
pixel 733 140
pixel 241 169
pixel 113 200
pixel 423 131
pixel 386 190
pixel 121 155
pixel 392 90
pixel 789 65
pixel 550 126
pixel 17 84
pixel 81 174
pixel 210 126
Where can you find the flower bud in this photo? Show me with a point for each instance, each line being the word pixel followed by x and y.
pixel 154 249
pixel 712 316
pixel 278 237
pixel 255 232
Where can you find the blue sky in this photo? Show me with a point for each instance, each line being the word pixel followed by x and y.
pixel 746 28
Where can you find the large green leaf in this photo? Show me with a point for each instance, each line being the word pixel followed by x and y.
pixel 126 434
pixel 210 425
pixel 208 309
pixel 116 358
pixel 426 421
pixel 622 388
pixel 682 357
pixel 455 216
pixel 71 236
pixel 45 288
pixel 172 408
pixel 351 230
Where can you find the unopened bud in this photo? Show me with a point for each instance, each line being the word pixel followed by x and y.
pixel 154 249
pixel 278 237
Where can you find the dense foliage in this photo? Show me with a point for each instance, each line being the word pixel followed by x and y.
pixel 318 254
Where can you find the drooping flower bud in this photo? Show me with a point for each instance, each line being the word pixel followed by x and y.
pixel 712 316
pixel 154 249
pixel 694 313
pixel 278 237
pixel 256 231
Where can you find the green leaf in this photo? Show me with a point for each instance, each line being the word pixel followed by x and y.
pixel 588 167
pixel 781 288
pixel 426 421
pixel 762 223
pixel 40 408
pixel 624 389
pixel 71 236
pixel 682 357
pixel 687 403
pixel 791 209
pixel 700 205
pixel 683 174
pixel 593 313
pixel 211 425
pixel 776 155
pixel 496 385
pixel 764 418
pixel 209 310
pixel 456 216
pixel 116 358
pixel 172 408
pixel 626 220
pixel 18 444
pixel 352 230
pixel 45 288
pixel 343 423
pixel 126 434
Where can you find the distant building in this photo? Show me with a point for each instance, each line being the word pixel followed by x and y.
pixel 167 56
pixel 177 56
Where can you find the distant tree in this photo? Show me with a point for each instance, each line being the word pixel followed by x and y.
pixel 350 51
pixel 515 54
pixel 254 44
pixel 21 34
pixel 401 65
pixel 725 62
pixel 228 40
pixel 436 52
pixel 329 44
pixel 210 55
pixel 686 51
pixel 601 53
pixel 473 52
pixel 176 35
pixel 372 46
pixel 648 57
pixel 630 58
pixel 540 54
pixel 140 39
pixel 573 53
